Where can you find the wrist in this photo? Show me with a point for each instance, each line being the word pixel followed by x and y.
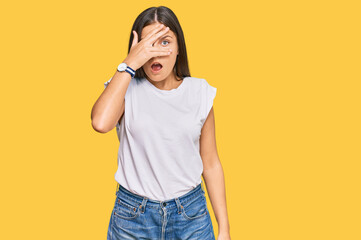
pixel 130 64
pixel 224 234
pixel 223 228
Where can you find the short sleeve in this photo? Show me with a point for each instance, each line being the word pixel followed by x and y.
pixel 208 95
pixel 107 82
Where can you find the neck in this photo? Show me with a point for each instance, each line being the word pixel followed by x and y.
pixel 169 83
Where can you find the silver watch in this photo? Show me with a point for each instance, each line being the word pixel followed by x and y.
pixel 124 67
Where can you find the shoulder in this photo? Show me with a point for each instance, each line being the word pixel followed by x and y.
pixel 201 84
pixel 204 94
pixel 198 83
pixel 195 79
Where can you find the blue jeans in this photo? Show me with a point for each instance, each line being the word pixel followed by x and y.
pixel 137 217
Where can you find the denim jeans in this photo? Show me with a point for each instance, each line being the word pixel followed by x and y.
pixel 137 217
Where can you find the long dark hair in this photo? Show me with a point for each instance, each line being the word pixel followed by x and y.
pixel 167 17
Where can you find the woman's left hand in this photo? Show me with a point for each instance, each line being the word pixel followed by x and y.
pixel 224 236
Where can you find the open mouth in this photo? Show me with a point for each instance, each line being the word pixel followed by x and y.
pixel 156 67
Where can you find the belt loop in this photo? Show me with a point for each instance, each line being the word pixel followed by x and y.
pixel 144 203
pixel 179 205
pixel 202 186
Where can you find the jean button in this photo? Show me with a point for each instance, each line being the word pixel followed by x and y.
pixel 164 204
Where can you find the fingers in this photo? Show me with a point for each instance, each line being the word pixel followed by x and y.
pixel 155 37
pixel 160 49
pixel 135 38
pixel 160 52
pixel 155 30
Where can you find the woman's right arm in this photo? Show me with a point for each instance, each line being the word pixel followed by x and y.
pixel 109 107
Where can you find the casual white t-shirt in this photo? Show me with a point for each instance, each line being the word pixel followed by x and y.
pixel 159 155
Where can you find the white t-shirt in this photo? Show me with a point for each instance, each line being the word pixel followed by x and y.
pixel 159 155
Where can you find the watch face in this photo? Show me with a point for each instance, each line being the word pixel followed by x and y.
pixel 122 67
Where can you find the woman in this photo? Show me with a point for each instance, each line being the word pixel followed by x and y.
pixel 165 124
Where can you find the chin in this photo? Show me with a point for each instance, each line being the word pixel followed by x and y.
pixel 157 77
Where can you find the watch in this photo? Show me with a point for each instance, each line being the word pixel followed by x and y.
pixel 124 67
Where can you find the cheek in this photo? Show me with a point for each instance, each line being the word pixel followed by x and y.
pixel 174 47
pixel 174 51
pixel 170 61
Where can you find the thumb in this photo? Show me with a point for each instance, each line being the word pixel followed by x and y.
pixel 135 38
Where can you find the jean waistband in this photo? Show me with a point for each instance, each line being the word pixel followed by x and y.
pixel 145 201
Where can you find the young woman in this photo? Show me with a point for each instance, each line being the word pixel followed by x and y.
pixel 165 124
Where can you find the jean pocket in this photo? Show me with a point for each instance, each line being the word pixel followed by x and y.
pixel 125 209
pixel 195 209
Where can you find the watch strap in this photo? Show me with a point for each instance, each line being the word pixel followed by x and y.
pixel 128 70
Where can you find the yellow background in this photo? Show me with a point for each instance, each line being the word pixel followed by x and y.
pixel 287 113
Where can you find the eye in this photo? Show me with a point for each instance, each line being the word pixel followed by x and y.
pixel 165 41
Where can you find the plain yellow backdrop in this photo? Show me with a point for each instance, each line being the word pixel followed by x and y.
pixel 287 113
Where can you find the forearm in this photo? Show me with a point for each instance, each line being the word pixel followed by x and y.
pixel 107 109
pixel 214 180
